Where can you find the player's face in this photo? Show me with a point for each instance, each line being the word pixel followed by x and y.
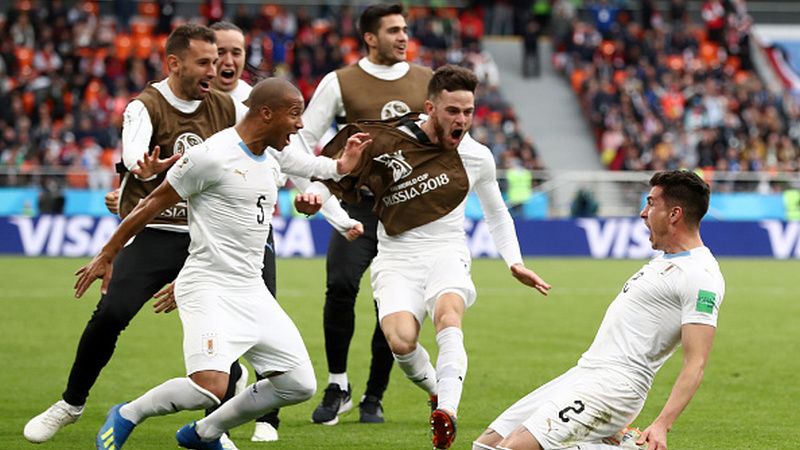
pixel 230 49
pixel 195 70
pixel 287 121
pixel 451 113
pixel 656 214
pixel 391 40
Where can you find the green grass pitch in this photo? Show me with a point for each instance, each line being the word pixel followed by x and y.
pixel 516 340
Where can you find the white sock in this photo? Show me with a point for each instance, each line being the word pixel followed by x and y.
pixel 451 367
pixel 418 368
pixel 177 394
pixel 340 379
pixel 294 386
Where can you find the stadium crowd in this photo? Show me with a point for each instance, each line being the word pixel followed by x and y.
pixel 67 72
pixel 663 92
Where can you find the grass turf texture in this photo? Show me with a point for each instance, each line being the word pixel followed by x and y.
pixel 516 341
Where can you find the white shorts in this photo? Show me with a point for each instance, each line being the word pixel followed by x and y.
pixel 580 406
pixel 220 325
pixel 413 282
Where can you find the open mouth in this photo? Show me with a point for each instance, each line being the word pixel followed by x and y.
pixel 456 134
pixel 205 86
pixel 227 74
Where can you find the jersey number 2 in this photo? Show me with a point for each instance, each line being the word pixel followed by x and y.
pixel 260 216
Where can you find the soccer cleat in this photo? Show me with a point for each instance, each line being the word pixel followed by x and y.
pixel 241 383
pixel 334 403
pixel 227 443
pixel 264 432
pixel 44 426
pixel 115 430
pixel 188 438
pixel 443 427
pixel 370 410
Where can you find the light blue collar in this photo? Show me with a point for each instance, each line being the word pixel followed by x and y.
pixel 259 158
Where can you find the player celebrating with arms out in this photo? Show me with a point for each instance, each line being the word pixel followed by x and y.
pixel 420 172
pixel 229 183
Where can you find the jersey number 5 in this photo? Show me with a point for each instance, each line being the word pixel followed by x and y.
pixel 260 216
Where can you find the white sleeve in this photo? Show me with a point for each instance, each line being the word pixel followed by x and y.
pixel 241 110
pixel 325 105
pixel 331 210
pixel 320 189
pixel 299 163
pixel 498 219
pixel 194 172
pixel 699 296
pixel 137 130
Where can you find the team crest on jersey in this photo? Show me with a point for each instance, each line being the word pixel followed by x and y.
pixel 397 162
pixel 394 108
pixel 185 141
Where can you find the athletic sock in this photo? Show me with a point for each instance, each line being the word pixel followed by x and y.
pixel 418 368
pixel 294 386
pixel 177 394
pixel 340 379
pixel 451 367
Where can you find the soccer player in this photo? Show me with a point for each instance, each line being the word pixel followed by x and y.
pixel 420 172
pixel 225 308
pixel 167 117
pixel 381 85
pixel 674 299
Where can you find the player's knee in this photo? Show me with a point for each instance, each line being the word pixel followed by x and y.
pixel 297 385
pixel 488 440
pixel 212 381
pixel 400 346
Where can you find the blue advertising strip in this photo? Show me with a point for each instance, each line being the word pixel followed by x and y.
pixel 597 238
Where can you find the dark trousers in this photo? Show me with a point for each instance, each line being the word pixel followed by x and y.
pixel 346 264
pixel 152 260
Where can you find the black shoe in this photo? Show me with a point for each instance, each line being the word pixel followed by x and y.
pixel 335 402
pixel 371 410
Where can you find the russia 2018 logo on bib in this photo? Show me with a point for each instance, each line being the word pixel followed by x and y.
pixel 394 108
pixel 185 141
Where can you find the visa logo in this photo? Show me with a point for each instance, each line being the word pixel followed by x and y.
pixel 617 238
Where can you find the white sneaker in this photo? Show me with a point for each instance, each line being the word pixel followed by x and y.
pixel 264 432
pixel 241 383
pixel 44 426
pixel 227 443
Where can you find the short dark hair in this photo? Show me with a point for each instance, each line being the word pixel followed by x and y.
pixel 225 26
pixel 370 20
pixel 685 189
pixel 178 40
pixel 452 78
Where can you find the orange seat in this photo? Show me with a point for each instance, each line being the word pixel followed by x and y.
pixel 148 9
pixel 123 46
pixel 143 46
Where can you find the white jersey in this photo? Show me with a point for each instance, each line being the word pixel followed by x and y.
pixel 642 326
pixel 448 230
pixel 241 92
pixel 231 194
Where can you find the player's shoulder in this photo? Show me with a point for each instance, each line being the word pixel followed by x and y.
pixel 697 267
pixel 471 148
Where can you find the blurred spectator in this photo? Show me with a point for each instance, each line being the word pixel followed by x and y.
pixel 675 96
pixel 584 204
pixel 66 73
pixel 531 66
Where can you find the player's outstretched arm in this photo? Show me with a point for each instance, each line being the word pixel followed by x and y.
pixel 151 165
pixel 696 340
pixel 352 152
pixel 529 278
pixel 101 266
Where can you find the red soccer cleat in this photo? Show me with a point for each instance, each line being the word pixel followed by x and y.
pixel 443 427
